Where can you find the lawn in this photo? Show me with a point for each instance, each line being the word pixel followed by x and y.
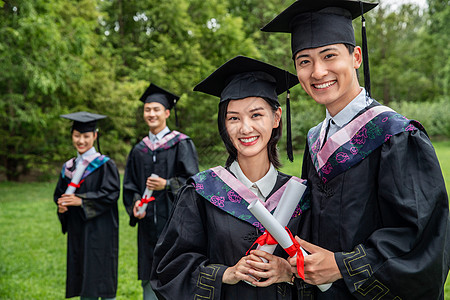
pixel 33 249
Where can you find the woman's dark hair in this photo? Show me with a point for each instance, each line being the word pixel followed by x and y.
pixel 272 148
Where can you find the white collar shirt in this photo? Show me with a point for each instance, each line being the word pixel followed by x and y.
pixel 83 156
pixel 156 137
pixel 260 188
pixel 347 113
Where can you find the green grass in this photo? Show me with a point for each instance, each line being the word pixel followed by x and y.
pixel 33 249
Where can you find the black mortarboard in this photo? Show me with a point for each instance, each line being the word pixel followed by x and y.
pixel 243 77
pixel 317 23
pixel 156 94
pixel 84 121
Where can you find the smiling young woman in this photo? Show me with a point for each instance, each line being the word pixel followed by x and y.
pixel 87 210
pixel 206 239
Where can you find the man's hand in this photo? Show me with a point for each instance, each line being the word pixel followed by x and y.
pixel 320 264
pixel 136 210
pixel 156 183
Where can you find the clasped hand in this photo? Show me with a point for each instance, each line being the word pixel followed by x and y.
pixel 68 200
pixel 276 269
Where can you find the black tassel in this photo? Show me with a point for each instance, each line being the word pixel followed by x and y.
pixel 175 109
pixel 288 127
pixel 98 141
pixel 365 52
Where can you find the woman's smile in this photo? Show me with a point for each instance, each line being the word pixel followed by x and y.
pixel 249 141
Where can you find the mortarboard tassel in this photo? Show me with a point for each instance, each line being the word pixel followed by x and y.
pixel 98 140
pixel 288 129
pixel 365 52
pixel 175 109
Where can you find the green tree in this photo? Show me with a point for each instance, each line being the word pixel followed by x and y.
pixel 42 45
pixel 175 44
pixel 439 11
pixel 399 60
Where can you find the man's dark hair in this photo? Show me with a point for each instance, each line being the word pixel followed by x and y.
pixel 350 48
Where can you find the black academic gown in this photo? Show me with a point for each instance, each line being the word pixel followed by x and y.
pixel 386 219
pixel 92 234
pixel 175 164
pixel 200 242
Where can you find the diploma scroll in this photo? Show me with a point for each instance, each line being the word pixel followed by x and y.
pixel 278 232
pixel 74 183
pixel 285 208
pixel 147 194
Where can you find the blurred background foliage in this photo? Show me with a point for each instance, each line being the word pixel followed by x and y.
pixel 63 56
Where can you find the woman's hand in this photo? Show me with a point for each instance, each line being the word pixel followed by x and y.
pixel 68 200
pixel 240 271
pixel 275 270
pixel 62 209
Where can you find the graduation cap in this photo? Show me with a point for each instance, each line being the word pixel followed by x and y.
pixel 84 122
pixel 317 23
pixel 156 94
pixel 243 77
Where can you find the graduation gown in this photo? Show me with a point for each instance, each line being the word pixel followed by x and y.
pixel 92 230
pixel 173 158
pixel 381 208
pixel 210 229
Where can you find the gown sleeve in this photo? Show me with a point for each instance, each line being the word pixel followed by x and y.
pixel 59 190
pixel 131 191
pixel 411 246
pixel 101 199
pixel 186 165
pixel 180 254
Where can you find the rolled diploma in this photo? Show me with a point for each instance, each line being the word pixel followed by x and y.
pixel 147 194
pixel 285 208
pixel 276 230
pixel 77 177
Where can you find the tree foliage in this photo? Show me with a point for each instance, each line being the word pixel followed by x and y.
pixel 64 56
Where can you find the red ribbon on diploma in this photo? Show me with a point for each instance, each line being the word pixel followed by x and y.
pixel 267 239
pixel 264 239
pixel 75 185
pixel 146 200
pixel 292 251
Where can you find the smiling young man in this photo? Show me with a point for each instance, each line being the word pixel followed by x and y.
pixel 168 154
pixel 380 226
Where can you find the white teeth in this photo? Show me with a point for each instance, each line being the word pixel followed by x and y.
pixel 324 85
pixel 249 140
